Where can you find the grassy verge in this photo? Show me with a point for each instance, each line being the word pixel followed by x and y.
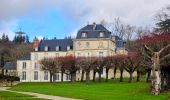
pixel 6 95
pixel 112 90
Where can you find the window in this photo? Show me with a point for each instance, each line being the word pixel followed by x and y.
pixel 36 48
pixel 100 54
pixel 23 75
pixel 101 34
pixel 87 44
pixel 68 77
pixel 57 76
pixel 35 75
pixel 68 47
pixel 35 65
pixel 24 64
pixel 45 75
pixel 46 48
pixel 84 34
pixel 57 48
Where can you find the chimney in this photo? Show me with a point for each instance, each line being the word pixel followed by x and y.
pixel 35 42
pixel 94 25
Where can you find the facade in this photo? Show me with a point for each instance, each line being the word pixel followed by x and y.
pixel 91 40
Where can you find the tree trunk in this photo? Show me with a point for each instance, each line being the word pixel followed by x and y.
pixel 73 77
pixel 99 76
pixel 94 75
pixel 87 77
pixel 121 74
pixel 107 74
pixel 131 77
pixel 148 75
pixel 62 73
pixel 156 79
pixel 115 70
pixel 51 75
pixel 138 76
pixel 82 76
pixel 2 63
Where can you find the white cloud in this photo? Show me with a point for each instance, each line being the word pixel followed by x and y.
pixel 135 12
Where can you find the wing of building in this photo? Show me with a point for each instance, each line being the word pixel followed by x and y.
pixel 91 40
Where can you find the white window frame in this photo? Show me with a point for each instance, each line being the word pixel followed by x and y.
pixel 101 54
pixel 24 75
pixel 45 75
pixel 24 65
pixel 35 75
pixel 68 47
pixel 57 48
pixel 84 34
pixel 46 48
pixel 101 34
pixel 36 48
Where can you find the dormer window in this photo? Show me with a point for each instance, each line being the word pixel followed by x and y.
pixel 84 34
pixel 57 48
pixel 68 48
pixel 46 48
pixel 36 48
pixel 101 34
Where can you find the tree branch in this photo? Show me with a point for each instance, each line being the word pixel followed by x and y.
pixel 150 51
pixel 165 57
pixel 166 47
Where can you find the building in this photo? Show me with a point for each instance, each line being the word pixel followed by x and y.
pixel 91 40
pixel 10 69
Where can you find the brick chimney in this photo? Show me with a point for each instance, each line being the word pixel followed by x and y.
pixel 35 42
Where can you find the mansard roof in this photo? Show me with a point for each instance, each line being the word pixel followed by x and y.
pixel 52 44
pixel 93 31
pixel 25 58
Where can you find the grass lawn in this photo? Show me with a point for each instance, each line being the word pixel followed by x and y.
pixel 5 95
pixel 95 91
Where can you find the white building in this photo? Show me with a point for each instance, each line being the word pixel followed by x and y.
pixel 91 40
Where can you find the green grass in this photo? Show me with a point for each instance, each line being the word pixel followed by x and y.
pixel 95 91
pixel 6 95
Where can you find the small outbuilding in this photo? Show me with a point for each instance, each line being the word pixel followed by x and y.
pixel 10 69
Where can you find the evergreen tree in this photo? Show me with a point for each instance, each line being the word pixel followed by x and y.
pixel 3 37
pixel 163 26
pixel 27 39
pixel 6 38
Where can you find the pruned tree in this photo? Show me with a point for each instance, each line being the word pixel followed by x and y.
pixel 85 64
pixel 108 65
pixel 52 65
pixel 157 48
pixel 69 64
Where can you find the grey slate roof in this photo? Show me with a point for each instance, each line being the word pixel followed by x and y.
pixel 52 44
pixel 10 66
pixel 25 58
pixel 93 33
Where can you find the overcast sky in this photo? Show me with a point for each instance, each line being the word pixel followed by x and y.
pixel 59 18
